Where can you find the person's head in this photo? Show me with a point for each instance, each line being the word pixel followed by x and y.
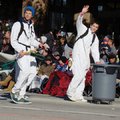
pixel 7 34
pixel 29 12
pixel 6 39
pixel 56 55
pixel 63 60
pixel 94 26
pixel 62 40
pixel 112 58
pixel 110 42
pixel 48 60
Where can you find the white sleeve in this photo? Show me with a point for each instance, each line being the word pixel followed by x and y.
pixel 81 28
pixel 14 35
pixel 34 41
pixel 95 50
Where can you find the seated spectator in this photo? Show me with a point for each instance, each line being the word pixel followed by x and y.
pixel 112 58
pixel 50 39
pixel 6 46
pixel 8 82
pixel 56 56
pixel 61 44
pixel 57 84
pixel 59 79
pixel 62 65
pixel 43 41
pixel 107 47
pixel 111 46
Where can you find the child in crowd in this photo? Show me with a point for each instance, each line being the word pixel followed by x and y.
pixel 62 66
pixel 56 56
pixel 112 59
pixel 8 82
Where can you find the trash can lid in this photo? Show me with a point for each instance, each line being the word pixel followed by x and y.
pixel 106 65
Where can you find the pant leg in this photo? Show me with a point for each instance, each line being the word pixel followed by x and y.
pixel 77 84
pixel 25 65
pixel 21 80
pixel 31 77
pixel 79 90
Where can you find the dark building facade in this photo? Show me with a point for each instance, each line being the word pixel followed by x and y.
pixel 10 9
pixel 61 12
pixel 106 11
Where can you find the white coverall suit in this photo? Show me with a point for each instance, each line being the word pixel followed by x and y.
pixel 81 60
pixel 26 65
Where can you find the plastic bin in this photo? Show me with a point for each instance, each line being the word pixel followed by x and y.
pixel 104 82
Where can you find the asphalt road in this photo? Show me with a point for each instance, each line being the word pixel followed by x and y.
pixel 45 107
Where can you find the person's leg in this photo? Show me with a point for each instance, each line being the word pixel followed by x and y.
pixel 31 77
pixel 21 75
pixel 76 88
pixel 24 66
pixel 21 80
pixel 77 84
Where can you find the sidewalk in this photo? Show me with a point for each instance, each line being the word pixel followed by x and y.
pixel 43 97
pixel 39 97
pixel 45 107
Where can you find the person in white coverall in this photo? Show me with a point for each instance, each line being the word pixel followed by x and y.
pixel 81 57
pixel 26 64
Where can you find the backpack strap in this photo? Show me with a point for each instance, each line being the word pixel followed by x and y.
pixel 93 39
pixel 83 35
pixel 19 34
pixel 21 30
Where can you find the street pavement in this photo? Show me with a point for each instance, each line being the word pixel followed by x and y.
pixel 45 107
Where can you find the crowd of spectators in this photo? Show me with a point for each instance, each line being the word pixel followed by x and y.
pixel 54 72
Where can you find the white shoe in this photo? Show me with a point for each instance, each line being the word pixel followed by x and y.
pixel 81 100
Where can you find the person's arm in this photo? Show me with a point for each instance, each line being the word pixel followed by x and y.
pixel 81 28
pixel 34 41
pixel 95 51
pixel 14 34
pixel 84 10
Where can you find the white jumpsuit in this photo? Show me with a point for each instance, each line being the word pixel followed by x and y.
pixel 26 65
pixel 81 60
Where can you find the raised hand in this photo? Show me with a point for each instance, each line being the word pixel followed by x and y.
pixel 85 9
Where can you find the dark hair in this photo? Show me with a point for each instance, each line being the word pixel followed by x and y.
pixel 111 55
pixel 95 21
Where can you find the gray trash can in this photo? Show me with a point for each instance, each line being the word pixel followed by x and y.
pixel 104 82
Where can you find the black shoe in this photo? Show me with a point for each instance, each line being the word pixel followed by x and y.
pixel 67 98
